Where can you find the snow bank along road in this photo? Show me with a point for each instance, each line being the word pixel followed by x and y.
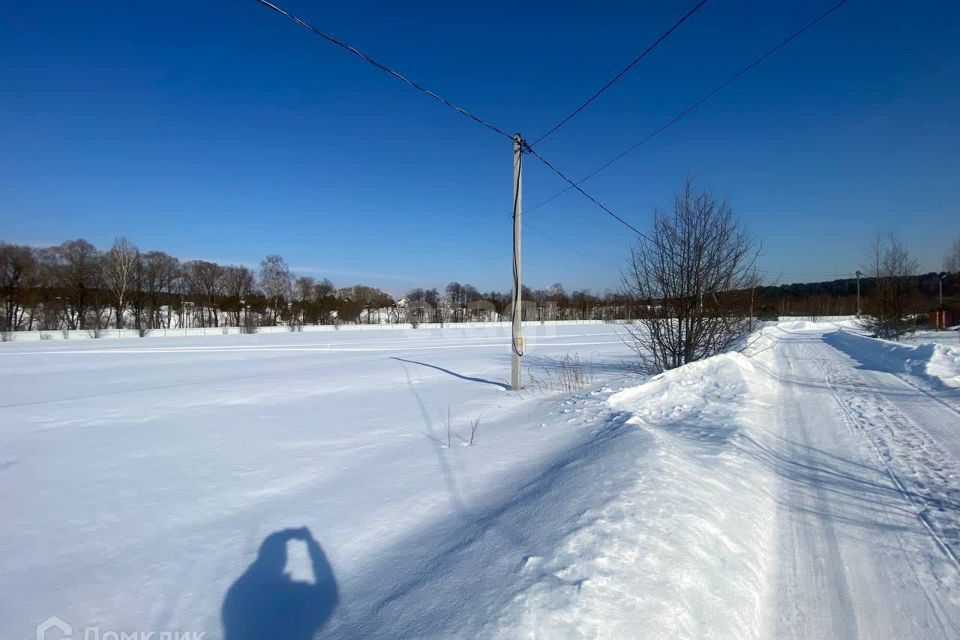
pixel 292 486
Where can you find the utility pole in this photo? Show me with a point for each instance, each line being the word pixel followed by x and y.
pixel 516 342
pixel 942 275
pixel 858 295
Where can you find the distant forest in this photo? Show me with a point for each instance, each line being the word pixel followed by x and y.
pixel 75 285
pixel 839 297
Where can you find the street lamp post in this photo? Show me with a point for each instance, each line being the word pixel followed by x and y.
pixel 941 313
pixel 858 294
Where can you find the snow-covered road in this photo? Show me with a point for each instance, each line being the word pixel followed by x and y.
pixel 868 492
pixel 809 488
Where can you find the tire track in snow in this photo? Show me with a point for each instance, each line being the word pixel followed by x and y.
pixel 925 492
pixel 853 424
pixel 901 583
pixel 827 574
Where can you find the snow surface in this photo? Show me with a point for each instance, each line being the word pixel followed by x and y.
pixel 807 488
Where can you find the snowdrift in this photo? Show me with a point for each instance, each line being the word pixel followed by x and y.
pixel 937 363
pixel 945 364
pixel 683 549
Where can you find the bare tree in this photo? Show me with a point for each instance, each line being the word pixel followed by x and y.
pixel 119 267
pixel 891 268
pixel 324 293
pixel 951 262
pixel 323 289
pixel 19 275
pixel 695 275
pixel 276 280
pixel 206 284
pixel 77 272
pixel 160 275
pixel 239 283
pixel 303 291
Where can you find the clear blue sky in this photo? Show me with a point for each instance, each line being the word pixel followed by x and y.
pixel 221 130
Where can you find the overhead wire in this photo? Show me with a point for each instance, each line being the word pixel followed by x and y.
pixel 622 72
pixel 528 147
pixel 574 185
pixel 563 245
pixel 396 74
pixel 697 104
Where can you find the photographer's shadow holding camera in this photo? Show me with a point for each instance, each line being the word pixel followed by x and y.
pixel 266 604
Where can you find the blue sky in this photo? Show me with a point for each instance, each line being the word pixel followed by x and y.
pixel 220 130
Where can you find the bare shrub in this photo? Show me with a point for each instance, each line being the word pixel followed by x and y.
pixel 888 307
pixel 694 275
pixel 572 374
pixel 564 375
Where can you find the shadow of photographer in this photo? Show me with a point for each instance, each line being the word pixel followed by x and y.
pixel 266 604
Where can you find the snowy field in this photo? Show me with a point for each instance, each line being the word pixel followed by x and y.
pixel 293 485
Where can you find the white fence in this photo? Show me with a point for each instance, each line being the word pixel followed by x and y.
pixel 816 318
pixel 90 334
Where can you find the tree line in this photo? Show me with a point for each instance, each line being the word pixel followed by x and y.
pixel 75 285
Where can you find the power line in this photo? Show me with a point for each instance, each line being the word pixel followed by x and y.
pixel 649 239
pixel 848 275
pixel 574 185
pixel 623 71
pixel 726 83
pixel 386 69
pixel 563 245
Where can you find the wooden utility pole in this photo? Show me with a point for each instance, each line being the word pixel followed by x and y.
pixel 516 342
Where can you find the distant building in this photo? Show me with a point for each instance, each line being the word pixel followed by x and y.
pixel 941 319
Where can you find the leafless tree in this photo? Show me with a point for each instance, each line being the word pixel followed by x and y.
pixel 19 275
pixel 160 275
pixel 323 289
pixel 119 268
pixel 238 283
pixel 77 271
pixel 276 281
pixel 951 262
pixel 891 267
pixel 324 294
pixel 695 274
pixel 303 292
pixel 206 284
